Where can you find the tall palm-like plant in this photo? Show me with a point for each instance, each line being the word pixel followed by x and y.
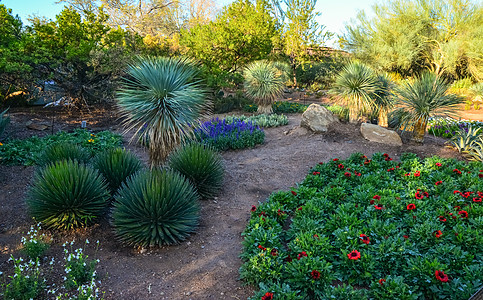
pixel 356 86
pixel 384 98
pixel 161 99
pixel 264 82
pixel 423 98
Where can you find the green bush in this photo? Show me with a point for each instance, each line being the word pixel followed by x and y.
pixel 27 151
pixel 67 195
pixel 116 165
pixel 62 151
pixel 280 107
pixel 155 208
pixel 341 112
pixel 201 165
pixel 263 120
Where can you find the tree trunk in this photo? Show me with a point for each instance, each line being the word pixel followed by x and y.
pixel 265 109
pixel 382 121
pixel 353 115
pixel 419 130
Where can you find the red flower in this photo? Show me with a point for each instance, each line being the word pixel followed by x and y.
pixel 388 159
pixel 463 214
pixel 442 219
pixel 321 163
pixel 376 197
pixel 385 155
pixel 407 174
pixel 466 194
pixel 300 208
pixel 262 214
pixel 480 175
pixel 254 208
pixel 274 252
pixel 301 254
pixel 457 171
pixel 441 276
pixel 457 207
pixel 367 161
pixel 347 174
pixel 315 173
pixel 288 259
pixel 315 274
pixel 316 236
pixel 426 194
pixel 354 255
pixel 406 236
pixel 261 247
pixel 365 239
pixel 477 199
pixel 294 193
pixel 411 206
pixel 371 202
pixel 357 173
pixel 267 296
pixel 438 234
pixel 438 182
pixel 480 194
pixel 381 281
pixel 390 169
pixel 335 159
pixel 379 206
pixel 418 196
pixel 417 174
pixel 438 164
pixel 340 166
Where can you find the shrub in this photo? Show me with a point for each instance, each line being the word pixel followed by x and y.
pixel 341 112
pixel 155 208
pixel 62 151
pixel 67 195
pixel 224 135
pixel 396 230
pixel 35 244
pixel 116 165
pixel 201 165
pixel 280 107
pixel 447 128
pixel 272 120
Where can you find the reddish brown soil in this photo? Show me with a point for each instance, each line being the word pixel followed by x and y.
pixel 206 265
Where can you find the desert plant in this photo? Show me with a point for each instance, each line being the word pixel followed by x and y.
pixel 201 165
pixel 264 82
pixel 475 150
pixel 464 138
pixel 155 208
pixel 160 100
pixel 477 93
pixel 423 98
pixel 4 120
pixel 383 99
pixel 62 151
pixel 116 165
pixel 356 86
pixel 67 195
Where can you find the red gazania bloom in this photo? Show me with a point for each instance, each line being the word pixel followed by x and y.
pixel 381 281
pixel 438 164
pixel 274 252
pixel 441 276
pixel 254 208
pixel 300 208
pixel 442 219
pixel 363 156
pixel 463 214
pixel 280 212
pixel 456 192
pixel 480 194
pixel 321 163
pixel 438 234
pixel 457 207
pixel 262 214
pixel 477 199
pixel 426 194
pixel 388 159
pixel 261 247
pixel 418 196
pixel 335 159
pixel 390 169
pixel 315 173
pixel 371 202
pixel 411 206
pixel 457 171
pixel 417 174
pixel 267 296
pixel 357 173
pixel 480 175
pixel 379 206
pixel 397 167
pixel 340 166
pixel 316 236
pixel 354 255
pixel 301 254
pixel 365 239
pixel 315 274
pixel 367 162
pixel 347 174
pixel 376 197
pixel 466 194
pixel 438 182
pixel 294 193
pixel 385 155
pixel 406 236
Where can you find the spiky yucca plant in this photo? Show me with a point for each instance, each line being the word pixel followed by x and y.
pixel 264 82
pixel 63 151
pixel 423 98
pixel 154 208
pixel 160 99
pixel 116 165
pixel 356 86
pixel 384 98
pixel 67 195
pixel 201 165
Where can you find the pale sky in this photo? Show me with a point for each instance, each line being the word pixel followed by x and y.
pixel 335 13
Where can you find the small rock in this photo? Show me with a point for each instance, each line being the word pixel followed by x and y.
pixel 378 134
pixel 36 126
pixel 317 118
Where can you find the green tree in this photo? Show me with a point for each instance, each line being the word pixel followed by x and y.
pixel 409 37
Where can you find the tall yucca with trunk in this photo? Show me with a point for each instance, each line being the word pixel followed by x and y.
pixel 264 82
pixel 161 99
pixel 423 98
pixel 384 98
pixel 356 86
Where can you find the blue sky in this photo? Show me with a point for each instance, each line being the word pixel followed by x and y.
pixel 335 13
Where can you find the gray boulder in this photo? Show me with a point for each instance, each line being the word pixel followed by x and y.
pixel 378 134
pixel 317 118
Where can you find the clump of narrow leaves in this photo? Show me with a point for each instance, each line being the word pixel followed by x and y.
pixel 63 151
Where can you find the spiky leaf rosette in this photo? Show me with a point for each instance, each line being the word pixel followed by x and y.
pixel 201 165
pixel 116 165
pixel 67 195
pixel 160 99
pixel 62 151
pixel 154 208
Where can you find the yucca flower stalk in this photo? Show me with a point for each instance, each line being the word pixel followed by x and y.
pixel 161 99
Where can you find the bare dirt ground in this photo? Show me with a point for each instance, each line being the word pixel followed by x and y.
pixel 206 265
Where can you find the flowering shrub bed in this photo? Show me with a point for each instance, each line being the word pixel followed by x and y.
pixel 27 151
pixel 447 128
pixel 234 134
pixel 273 120
pixel 370 228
